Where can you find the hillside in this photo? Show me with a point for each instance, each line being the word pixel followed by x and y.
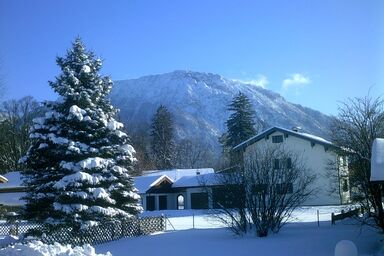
pixel 198 102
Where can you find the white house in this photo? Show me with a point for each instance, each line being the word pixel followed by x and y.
pixel 377 161
pixel 319 155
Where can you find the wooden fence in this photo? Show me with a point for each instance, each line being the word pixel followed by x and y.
pixel 102 233
pixel 347 214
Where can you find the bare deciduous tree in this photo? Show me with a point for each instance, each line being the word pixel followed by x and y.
pixel 276 183
pixel 16 120
pixel 229 201
pixel 193 154
pixel 359 122
pixel 263 195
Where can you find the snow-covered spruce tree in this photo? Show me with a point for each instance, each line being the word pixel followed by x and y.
pixel 162 138
pixel 80 159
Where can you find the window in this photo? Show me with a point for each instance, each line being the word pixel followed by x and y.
pixel 150 203
pixel 199 200
pixel 289 163
pixel 344 161
pixel 276 164
pixel 260 189
pixel 345 186
pixel 228 196
pixel 162 202
pixel 277 139
pixel 180 202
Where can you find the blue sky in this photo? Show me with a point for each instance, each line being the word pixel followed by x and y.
pixel 315 53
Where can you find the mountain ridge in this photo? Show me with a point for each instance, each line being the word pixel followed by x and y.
pixel 199 100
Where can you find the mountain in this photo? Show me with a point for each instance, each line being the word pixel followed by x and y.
pixel 198 102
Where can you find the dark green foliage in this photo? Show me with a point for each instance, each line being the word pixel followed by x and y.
pixel 162 143
pixel 80 159
pixel 240 127
pixel 241 124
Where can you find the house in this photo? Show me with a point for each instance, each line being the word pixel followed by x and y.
pixel 176 189
pixel 377 161
pixel 319 155
pixel 12 190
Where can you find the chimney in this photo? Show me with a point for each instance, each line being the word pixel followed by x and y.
pixel 296 129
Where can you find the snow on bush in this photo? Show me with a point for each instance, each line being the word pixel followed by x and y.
pixel 38 248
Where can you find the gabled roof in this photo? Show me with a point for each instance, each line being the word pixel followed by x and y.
pixel 177 177
pixel 144 183
pixel 305 136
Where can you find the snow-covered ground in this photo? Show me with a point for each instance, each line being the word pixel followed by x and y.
pixel 294 239
pixel 202 219
pixel 37 248
pixel 302 237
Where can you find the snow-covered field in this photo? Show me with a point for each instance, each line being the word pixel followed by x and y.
pixel 303 237
pixel 202 219
pixel 208 237
pixel 295 239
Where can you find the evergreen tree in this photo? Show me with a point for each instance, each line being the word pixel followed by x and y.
pixel 240 125
pixel 79 161
pixel 162 138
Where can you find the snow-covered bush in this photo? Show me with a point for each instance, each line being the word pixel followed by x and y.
pixel 38 248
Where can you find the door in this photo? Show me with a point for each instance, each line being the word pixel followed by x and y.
pixel 199 200
pixel 163 203
pixel 150 203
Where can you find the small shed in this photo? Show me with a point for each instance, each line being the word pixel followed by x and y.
pixel 377 161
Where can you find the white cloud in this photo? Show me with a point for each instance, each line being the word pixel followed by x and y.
pixel 261 81
pixel 295 81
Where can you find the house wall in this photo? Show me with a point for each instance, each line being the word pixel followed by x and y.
pixel 12 198
pixel 172 198
pixel 316 158
pixel 190 191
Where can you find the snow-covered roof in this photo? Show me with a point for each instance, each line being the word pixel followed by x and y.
pixel 377 161
pixel 302 135
pixel 14 180
pixel 179 178
pixel 176 174
pixel 208 179
pixel 144 183
pixel 3 179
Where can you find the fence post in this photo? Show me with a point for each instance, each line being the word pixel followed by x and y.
pixel 193 220
pixel 164 221
pixel 318 219
pixel 333 219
